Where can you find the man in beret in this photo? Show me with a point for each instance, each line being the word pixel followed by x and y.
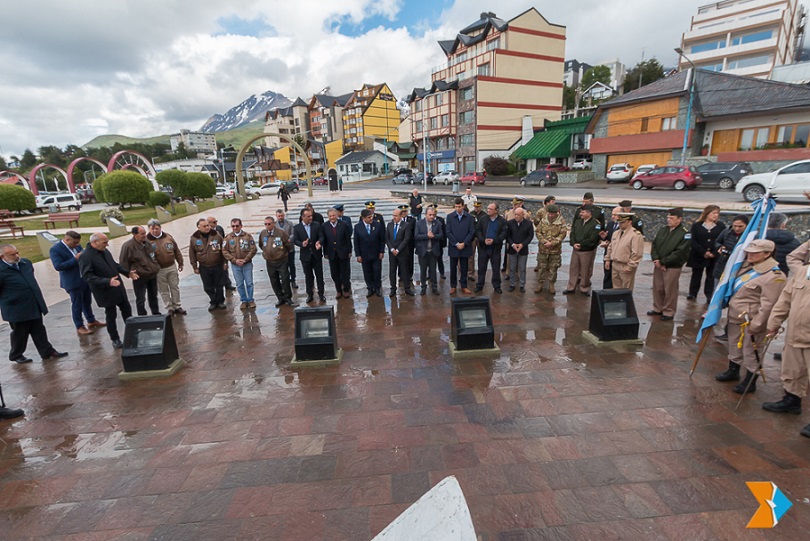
pixel 597 212
pixel 340 209
pixel 584 240
pixel 627 206
pixel 670 250
pixel 624 253
pixel 551 231
pixel 755 290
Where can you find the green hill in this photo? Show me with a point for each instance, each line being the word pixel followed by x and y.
pixel 236 137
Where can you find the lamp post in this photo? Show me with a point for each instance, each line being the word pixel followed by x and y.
pixel 691 100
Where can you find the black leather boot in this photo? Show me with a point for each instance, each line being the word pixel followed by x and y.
pixel 790 403
pixel 732 374
pixel 805 431
pixel 740 388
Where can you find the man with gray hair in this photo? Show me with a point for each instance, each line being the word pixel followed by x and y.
pixel 170 259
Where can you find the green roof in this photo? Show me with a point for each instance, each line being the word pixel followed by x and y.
pixel 547 144
pixel 572 125
pixel 406 155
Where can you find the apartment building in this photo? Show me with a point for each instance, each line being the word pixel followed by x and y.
pixel 744 37
pixel 289 121
pixel 573 72
pixel 496 73
pixel 326 116
pixel 194 141
pixel 370 112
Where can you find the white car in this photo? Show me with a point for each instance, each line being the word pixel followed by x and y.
pixel 790 181
pixel 646 168
pixel 271 188
pixel 620 172
pixel 446 177
pixel 582 164
pixel 224 192
pixel 70 201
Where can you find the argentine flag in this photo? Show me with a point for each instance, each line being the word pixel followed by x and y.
pixel 722 292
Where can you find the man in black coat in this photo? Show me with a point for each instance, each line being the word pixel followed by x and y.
pixel 337 248
pixel 519 234
pixel 398 236
pixel 415 203
pixel 429 235
pixel 784 240
pixel 491 234
pixel 308 236
pixel 212 221
pixel 369 247
pixel 102 274
pixel 22 306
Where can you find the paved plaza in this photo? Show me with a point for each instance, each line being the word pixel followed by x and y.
pixel 553 438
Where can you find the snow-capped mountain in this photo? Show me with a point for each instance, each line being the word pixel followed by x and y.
pixel 251 109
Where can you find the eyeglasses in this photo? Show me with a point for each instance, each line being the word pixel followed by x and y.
pixel 269 223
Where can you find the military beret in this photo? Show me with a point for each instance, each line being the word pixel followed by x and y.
pixel 552 208
pixel 677 211
pixel 626 203
pixel 339 207
pixel 588 195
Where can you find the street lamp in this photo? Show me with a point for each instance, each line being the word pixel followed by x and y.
pixel 689 109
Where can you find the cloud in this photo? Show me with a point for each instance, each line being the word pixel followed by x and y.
pixel 74 70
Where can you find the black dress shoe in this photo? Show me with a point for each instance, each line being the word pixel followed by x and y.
pixel 118 344
pixel 378 292
pixel 8 413
pixel 293 285
pixel 667 318
pixel 393 293
pixel 690 297
pixel 523 290
pixel 321 297
pixel 56 355
pixel 654 313
pixel 310 298
pixel 586 293
pixel 568 291
pixel 435 291
pixel 221 306
pixel 212 307
pixel 230 288
pixel 22 360
pixel 498 290
pixel 510 289
pixel 289 302
pixel 370 293
pixel 423 292
pixel 410 292
pixel 478 289
pixel 279 304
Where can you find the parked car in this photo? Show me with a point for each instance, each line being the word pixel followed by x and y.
pixel 402 170
pixel 319 181
pixel 87 195
pixel 582 164
pixel 70 201
pixel 271 188
pixel 790 181
pixel 643 169
pixel 447 177
pixel 680 177
pixel 725 175
pixel 419 178
pixel 403 178
pixel 291 185
pixel 620 172
pixel 473 178
pixel 224 192
pixel 540 177
pixel 559 167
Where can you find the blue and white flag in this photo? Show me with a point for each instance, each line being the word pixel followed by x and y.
pixel 725 287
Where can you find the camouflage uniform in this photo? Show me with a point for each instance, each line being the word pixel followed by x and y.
pixel 549 259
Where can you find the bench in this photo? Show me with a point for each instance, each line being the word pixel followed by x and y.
pixel 62 217
pixel 6 214
pixel 13 229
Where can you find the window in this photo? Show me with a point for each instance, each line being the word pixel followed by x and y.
pixel 466 93
pixel 645 124
pixel 466 140
pixel 796 169
pixel 438 99
pixel 418 126
pixel 466 117
pixel 748 62
pixel 708 46
pixel 494 44
pixel 754 138
pixel 753 37
pixel 793 135
pixel 669 123
pixel 712 67
pixel 434 123
pixel 417 105
pixel 445 121
pixel 483 69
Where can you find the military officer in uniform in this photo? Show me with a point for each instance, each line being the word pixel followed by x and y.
pixel 627 206
pixel 598 212
pixel 755 290
pixel 624 253
pixel 584 239
pixel 670 250
pixel 340 208
pixel 551 231
pixel 410 221
pixel 549 200
pixel 377 216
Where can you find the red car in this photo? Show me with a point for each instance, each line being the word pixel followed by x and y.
pixel 558 167
pixel 473 178
pixel 679 177
pixel 319 181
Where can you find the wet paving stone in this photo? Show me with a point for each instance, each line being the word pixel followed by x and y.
pixel 551 439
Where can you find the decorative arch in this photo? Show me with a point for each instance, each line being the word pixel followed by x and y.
pixel 71 184
pixel 5 175
pixel 128 159
pixel 240 177
pixel 32 176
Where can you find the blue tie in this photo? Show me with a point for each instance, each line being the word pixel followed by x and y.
pixel 16 266
pixel 368 229
pixel 396 228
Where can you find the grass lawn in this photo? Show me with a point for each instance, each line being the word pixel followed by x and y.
pixel 29 246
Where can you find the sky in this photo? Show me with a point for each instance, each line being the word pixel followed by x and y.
pixel 75 70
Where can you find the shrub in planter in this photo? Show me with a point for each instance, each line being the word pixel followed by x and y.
pixel 125 187
pixel 113 212
pixel 158 199
pixel 16 198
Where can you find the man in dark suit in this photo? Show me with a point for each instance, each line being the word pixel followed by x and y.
pixel 337 248
pixel 369 247
pixel 102 273
pixel 460 232
pixel 22 306
pixel 308 236
pixel 65 259
pixel 429 234
pixel 398 236
pixel 611 227
pixel 491 234
pixel 519 234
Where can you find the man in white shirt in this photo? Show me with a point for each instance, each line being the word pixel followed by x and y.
pixel 469 199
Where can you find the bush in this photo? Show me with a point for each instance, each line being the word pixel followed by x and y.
pixel 496 166
pixel 122 187
pixel 173 178
pixel 199 185
pixel 158 199
pixel 98 189
pixel 16 198
pixel 114 212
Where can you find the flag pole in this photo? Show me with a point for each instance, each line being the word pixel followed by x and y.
pixel 700 352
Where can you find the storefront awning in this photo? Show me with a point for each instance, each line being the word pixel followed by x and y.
pixel 546 144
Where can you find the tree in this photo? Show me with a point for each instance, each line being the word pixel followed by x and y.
pixel 569 97
pixel 28 160
pixel 172 178
pixel 16 198
pixel 597 74
pixel 158 199
pixel 53 155
pixel 642 74
pixel 3 164
pixel 199 185
pixel 496 166
pixel 122 187
pixel 300 141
